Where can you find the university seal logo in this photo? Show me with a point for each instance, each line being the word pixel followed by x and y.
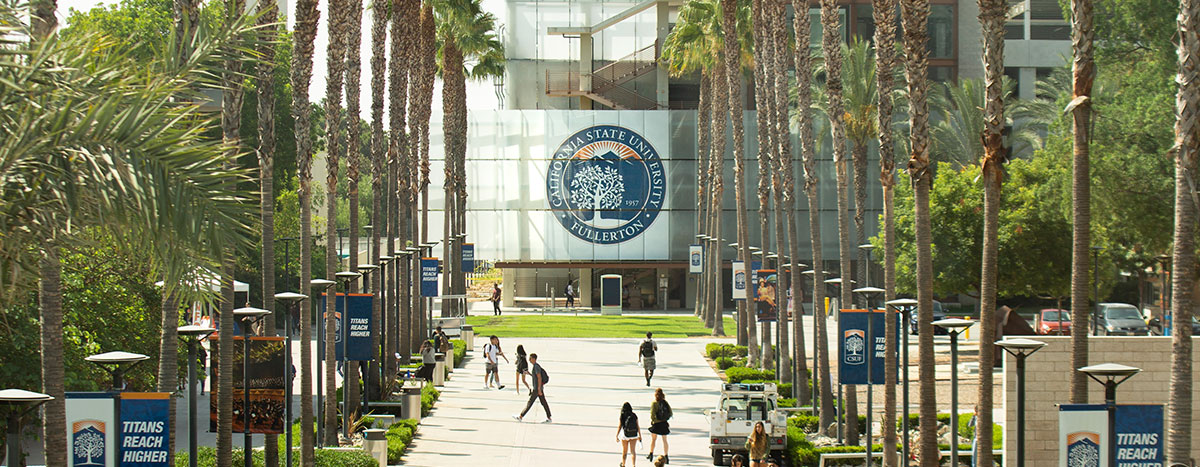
pixel 855 342
pixel 606 184
pixel 1083 449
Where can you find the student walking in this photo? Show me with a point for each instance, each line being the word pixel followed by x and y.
pixel 660 412
pixel 570 293
pixel 759 445
pixel 646 356
pixel 628 433
pixel 522 370
pixel 493 353
pixel 428 362
pixel 540 378
pixel 495 299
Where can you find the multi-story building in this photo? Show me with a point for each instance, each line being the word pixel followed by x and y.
pixel 582 158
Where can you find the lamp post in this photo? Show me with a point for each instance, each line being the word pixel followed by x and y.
pixel 1020 349
pixel 1096 289
pixel 836 284
pixel 293 299
pixel 1110 375
pixel 906 307
pixel 867 293
pixel 192 334
pixel 366 269
pixel 816 351
pixel 117 364
pixel 346 277
pixel 19 403
pixel 249 316
pixel 318 287
pixel 384 261
pixel 1165 290
pixel 954 327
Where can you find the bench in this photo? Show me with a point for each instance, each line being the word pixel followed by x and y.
pixel 945 455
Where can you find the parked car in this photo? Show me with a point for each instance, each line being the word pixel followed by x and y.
pixel 1156 327
pixel 938 314
pixel 1121 319
pixel 1053 321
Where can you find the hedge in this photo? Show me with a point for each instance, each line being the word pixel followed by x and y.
pixel 715 351
pixel 725 363
pixel 207 457
pixel 739 374
pixel 460 351
pixel 399 436
pixel 429 395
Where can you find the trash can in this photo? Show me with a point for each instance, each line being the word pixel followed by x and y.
pixel 610 294
pixel 412 403
pixel 468 336
pixel 439 369
pixel 375 444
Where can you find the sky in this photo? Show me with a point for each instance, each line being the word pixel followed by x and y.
pixel 479 98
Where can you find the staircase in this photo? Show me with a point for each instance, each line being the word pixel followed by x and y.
pixel 608 80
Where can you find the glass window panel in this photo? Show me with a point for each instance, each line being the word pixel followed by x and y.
pixel 941 31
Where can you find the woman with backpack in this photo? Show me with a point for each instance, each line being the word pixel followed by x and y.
pixel 759 445
pixel 522 370
pixel 660 412
pixel 628 433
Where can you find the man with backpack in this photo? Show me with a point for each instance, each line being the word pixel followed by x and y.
pixel 540 378
pixel 646 356
pixel 495 299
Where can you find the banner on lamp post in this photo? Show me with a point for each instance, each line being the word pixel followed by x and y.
pixel 91 429
pixel 856 345
pixel 1083 437
pixel 696 259
pixel 739 281
pixel 361 326
pixel 468 257
pixel 145 429
pixel 267 378
pixel 429 277
pixel 766 297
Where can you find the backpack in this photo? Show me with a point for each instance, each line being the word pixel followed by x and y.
pixel 664 411
pixel 545 376
pixel 647 349
pixel 631 426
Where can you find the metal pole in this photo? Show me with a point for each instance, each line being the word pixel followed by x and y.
pixel 1110 402
pixel 904 422
pixel 346 376
pixel 191 404
pixel 840 408
pixel 246 438
pixel 1021 409
pixel 320 378
pixel 1096 289
pixel 14 438
pixel 287 387
pixel 954 398
pixel 870 357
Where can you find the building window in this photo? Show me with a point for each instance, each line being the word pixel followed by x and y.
pixel 941 74
pixel 941 31
pixel 814 15
pixel 1046 21
pixel 1014 29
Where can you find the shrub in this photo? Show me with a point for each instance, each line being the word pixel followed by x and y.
pixel 207 457
pixel 785 390
pixel 399 436
pixel 741 374
pixel 460 351
pixel 725 363
pixel 331 458
pixel 787 402
pixel 714 350
pixel 429 395
pixel 740 350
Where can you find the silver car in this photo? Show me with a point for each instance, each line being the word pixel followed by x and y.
pixel 1121 319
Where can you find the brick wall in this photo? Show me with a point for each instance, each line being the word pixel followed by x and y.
pixel 1048 379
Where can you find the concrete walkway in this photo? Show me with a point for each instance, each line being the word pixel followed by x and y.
pixel 589 380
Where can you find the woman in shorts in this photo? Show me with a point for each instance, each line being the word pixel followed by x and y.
pixel 660 412
pixel 522 370
pixel 628 433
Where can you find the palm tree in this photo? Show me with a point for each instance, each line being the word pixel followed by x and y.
pixel 915 17
pixel 884 15
pixel 804 105
pixel 379 19
pixel 336 65
pixel 763 49
pixel 716 174
pixel 267 17
pixel 353 75
pixel 427 66
pixel 733 82
pixel 397 87
pixel 53 375
pixel 992 15
pixel 302 54
pixel 860 99
pixel 1083 72
pixel 782 163
pixel 831 45
pixel 1183 274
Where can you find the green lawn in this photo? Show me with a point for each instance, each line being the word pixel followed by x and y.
pixel 591 326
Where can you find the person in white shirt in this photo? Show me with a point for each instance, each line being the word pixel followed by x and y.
pixel 493 353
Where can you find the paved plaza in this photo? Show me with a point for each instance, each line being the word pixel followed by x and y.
pixel 589 380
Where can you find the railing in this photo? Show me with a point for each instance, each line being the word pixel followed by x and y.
pixel 562 83
pixel 566 84
pixel 625 68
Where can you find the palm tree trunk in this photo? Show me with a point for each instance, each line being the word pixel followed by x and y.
pixel 763 49
pixel 302 53
pixel 397 85
pixel 831 44
pixel 54 438
pixel 777 79
pixel 733 81
pixel 43 19
pixel 884 15
pixel 1183 274
pixel 379 18
pixel 858 158
pixel 268 13
pixel 703 141
pixel 803 63
pixel 168 354
pixel 915 16
pixel 1083 73
pixel 231 119
pixel 353 156
pixel 336 66
pixel 991 18
pixel 454 102
pixel 716 174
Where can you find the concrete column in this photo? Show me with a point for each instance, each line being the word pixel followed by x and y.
pixel 662 81
pixel 1027 83
pixel 585 287
pixel 508 287
pixel 585 69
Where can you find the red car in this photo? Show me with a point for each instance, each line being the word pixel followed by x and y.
pixel 1053 321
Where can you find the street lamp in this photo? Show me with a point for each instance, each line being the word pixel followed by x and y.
pixel 16 401
pixel 866 248
pixel 836 284
pixel 1020 349
pixel 346 277
pixel 293 299
pixel 1111 375
pixel 249 316
pixel 867 293
pixel 954 327
pixel 117 364
pixel 192 334
pixel 318 287
pixel 1165 300
pixel 366 270
pixel 906 307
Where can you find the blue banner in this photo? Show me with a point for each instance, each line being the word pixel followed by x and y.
pixel 856 346
pixel 145 429
pixel 468 257
pixel 429 277
pixel 359 333
pixel 1084 437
